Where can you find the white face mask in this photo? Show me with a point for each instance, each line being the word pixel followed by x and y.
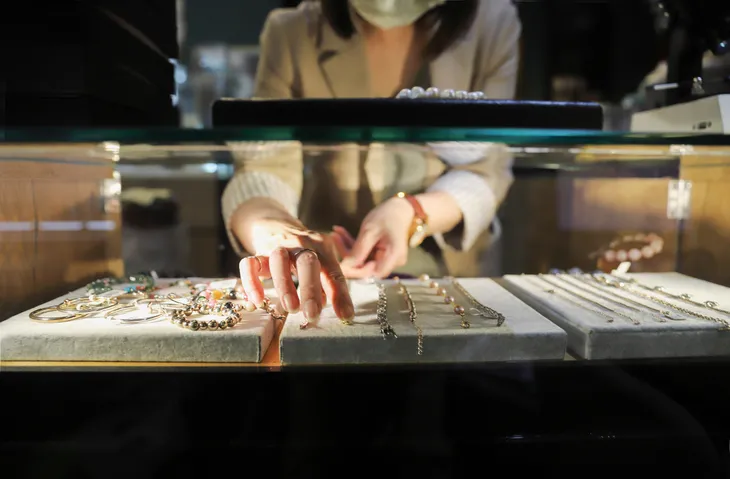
pixel 387 14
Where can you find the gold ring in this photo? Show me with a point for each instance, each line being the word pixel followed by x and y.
pixel 71 303
pixel 258 260
pixel 296 255
pixel 87 304
pixel 94 306
pixel 37 315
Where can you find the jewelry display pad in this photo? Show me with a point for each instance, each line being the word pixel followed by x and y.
pixel 590 336
pixel 100 339
pixel 524 336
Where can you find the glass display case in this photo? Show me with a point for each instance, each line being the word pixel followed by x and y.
pixel 588 313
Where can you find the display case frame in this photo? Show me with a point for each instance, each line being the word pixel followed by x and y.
pixel 445 419
pixel 568 154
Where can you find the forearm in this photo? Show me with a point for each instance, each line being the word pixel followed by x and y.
pixel 472 200
pixel 253 215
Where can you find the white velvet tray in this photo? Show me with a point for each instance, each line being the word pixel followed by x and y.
pixel 524 336
pixel 590 336
pixel 99 339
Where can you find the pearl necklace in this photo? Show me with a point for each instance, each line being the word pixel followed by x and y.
pixel 418 92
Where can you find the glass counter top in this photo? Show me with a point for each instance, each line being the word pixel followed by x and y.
pixel 337 134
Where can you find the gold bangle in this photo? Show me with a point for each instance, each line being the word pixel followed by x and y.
pixel 37 315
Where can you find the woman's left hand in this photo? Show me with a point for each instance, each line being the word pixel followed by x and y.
pixel 382 244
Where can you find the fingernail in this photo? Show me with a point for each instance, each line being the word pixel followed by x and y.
pixel 311 310
pixel 288 301
pixel 249 306
pixel 256 302
pixel 348 313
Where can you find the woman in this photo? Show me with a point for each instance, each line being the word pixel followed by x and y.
pixel 370 48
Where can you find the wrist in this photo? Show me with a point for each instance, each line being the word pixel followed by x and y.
pixel 417 219
pixel 404 210
pixel 443 211
pixel 266 234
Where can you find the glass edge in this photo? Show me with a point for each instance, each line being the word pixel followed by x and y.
pixel 333 134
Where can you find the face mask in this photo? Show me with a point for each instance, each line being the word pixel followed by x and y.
pixel 387 14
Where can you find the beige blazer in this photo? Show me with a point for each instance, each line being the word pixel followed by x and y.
pixel 302 57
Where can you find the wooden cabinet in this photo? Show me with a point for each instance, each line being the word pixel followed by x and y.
pixel 60 224
pixel 705 235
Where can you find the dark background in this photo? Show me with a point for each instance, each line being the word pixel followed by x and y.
pixel 119 63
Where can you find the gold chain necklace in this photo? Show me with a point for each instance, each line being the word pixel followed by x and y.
pixel 412 315
pixel 382 313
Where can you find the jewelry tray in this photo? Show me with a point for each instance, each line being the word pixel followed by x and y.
pixel 524 336
pixel 590 336
pixel 99 339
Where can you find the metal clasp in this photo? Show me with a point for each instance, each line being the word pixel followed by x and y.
pixel 679 199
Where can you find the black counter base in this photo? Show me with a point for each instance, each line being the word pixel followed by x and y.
pixel 427 423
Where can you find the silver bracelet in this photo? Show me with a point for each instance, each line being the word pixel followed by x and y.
pixel 605 280
pixel 565 296
pixel 552 284
pixel 593 288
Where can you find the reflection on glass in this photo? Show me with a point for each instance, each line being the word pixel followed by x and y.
pixel 571 209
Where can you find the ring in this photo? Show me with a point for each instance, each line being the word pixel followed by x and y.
pixel 296 255
pixel 258 260
pixel 88 304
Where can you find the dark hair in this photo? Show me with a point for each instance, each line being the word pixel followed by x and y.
pixel 454 18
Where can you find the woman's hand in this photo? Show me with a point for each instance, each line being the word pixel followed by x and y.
pixel 285 247
pixel 382 244
pixel 344 242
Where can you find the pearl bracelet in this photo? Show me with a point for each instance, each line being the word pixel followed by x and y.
pixel 633 248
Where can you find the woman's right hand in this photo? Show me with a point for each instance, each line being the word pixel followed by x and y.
pixel 284 248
